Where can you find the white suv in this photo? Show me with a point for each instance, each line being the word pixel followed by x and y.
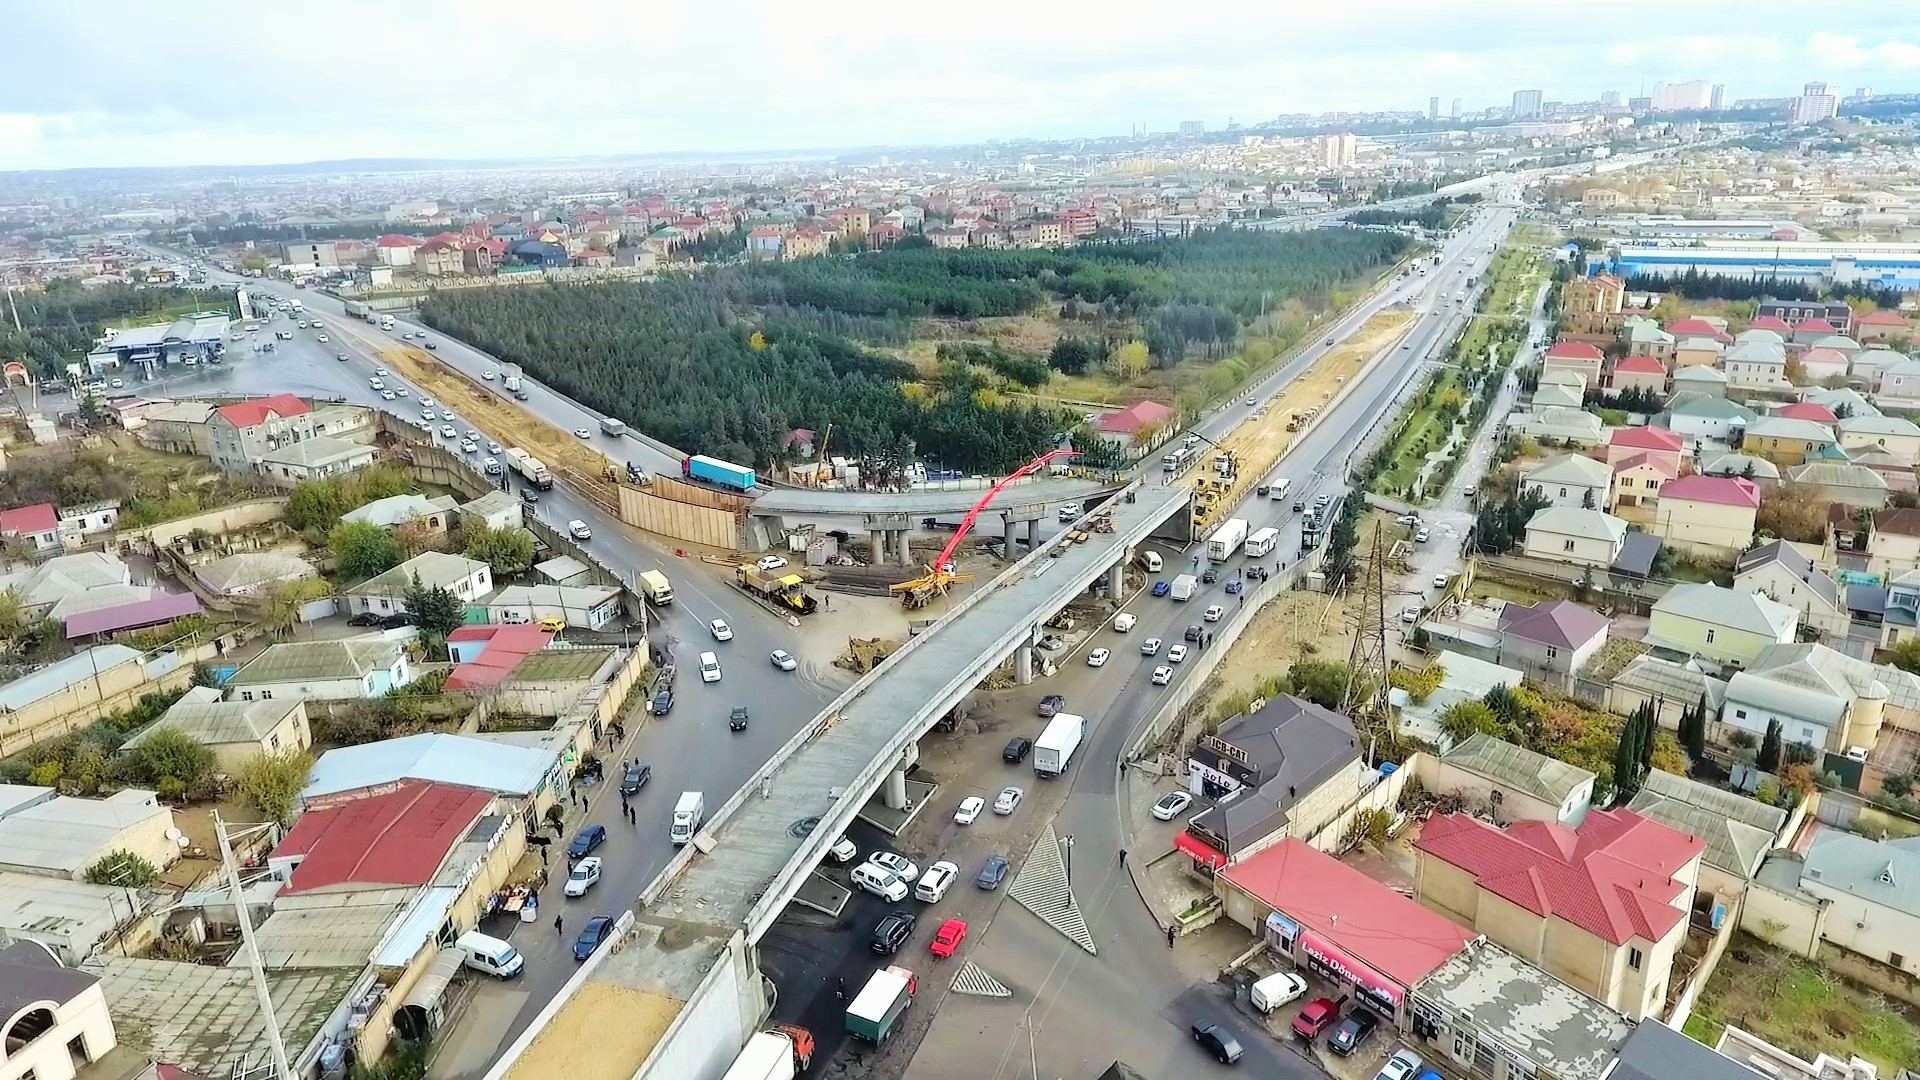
pixel 709 667
pixel 880 881
pixel 933 884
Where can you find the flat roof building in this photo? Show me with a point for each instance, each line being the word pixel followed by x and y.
pixel 1488 1011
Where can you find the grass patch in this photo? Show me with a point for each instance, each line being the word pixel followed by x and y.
pixel 1422 433
pixel 1803 1008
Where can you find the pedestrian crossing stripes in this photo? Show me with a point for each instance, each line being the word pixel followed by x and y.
pixel 972 980
pixel 1041 887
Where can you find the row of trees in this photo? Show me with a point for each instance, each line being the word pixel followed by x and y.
pixel 1698 285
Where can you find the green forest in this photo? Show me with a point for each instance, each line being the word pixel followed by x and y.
pixel 61 324
pixel 726 362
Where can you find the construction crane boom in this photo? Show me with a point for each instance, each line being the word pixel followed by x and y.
pixel 920 590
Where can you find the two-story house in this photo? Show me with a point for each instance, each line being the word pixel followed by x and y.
pixel 244 433
pixel 1644 337
pixel 1602 907
pixel 1869 368
pixel 1881 325
pixel 1575 356
pixel 1698 380
pixel 1284 770
pixel 1570 480
pixel 1572 535
pixel 1657 443
pixel 1853 892
pixel 1819 365
pixel 1638 480
pixel 1779 570
pixel 1887 434
pixel 1893 542
pixel 1899 381
pixel 1755 366
pixel 1786 441
pixel 1644 373
pixel 1720 624
pixel 1710 514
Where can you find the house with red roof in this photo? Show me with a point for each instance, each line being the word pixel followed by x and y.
pixel 1602 907
pixel 1626 442
pixel 243 433
pixel 1638 479
pixel 439 258
pixel 484 656
pixel 1696 327
pixel 1881 325
pixel 1810 330
pixel 398 838
pixel 38 525
pixel 1713 515
pixel 1644 373
pixel 1807 410
pixel 1328 918
pixel 1135 427
pixel 1576 356
pixel 396 250
pixel 1774 323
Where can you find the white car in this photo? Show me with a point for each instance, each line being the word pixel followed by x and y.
pixel 1168 806
pixel 402 391
pixel 709 667
pixel 375 382
pixel 426 402
pixel 1401 1066
pixel 881 882
pixel 1098 658
pixel 322 339
pixel 1176 653
pixel 894 862
pixel 387 395
pixel 1162 675
pixel 1440 581
pixel 579 529
pixel 583 433
pixel 933 884
pixel 1251 402
pixel 487 375
pixel 469 448
pixel 769 562
pixel 447 432
pixel 1124 621
pixel 1150 647
pixel 1008 800
pixel 490 466
pixel 721 631
pixel 382 372
pixel 585 874
pixel 1423 535
pixel 1069 513
pixel 427 415
pixel 473 436
pixel 1409 614
pixel 1213 613
pixel 492 447
pixel 783 660
pixel 969 811
pixel 843 851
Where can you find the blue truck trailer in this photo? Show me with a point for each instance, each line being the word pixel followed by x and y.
pixel 714 471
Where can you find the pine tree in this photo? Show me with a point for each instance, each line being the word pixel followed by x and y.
pixel 1697 730
pixel 1769 761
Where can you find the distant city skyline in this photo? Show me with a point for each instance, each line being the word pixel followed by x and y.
pixel 126 84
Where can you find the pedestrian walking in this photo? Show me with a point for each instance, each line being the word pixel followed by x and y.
pixel 1123 856
pixel 573 795
pixel 543 854
pixel 1170 932
pixel 558 930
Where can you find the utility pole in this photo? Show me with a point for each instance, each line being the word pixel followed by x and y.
pixel 284 1070
pixel 1365 698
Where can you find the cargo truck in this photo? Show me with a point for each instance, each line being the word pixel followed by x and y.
pixel 1053 750
pixel 788 592
pixel 875 1013
pixel 511 382
pixel 1225 542
pixel 688 813
pixel 529 467
pixel 1262 543
pixel 656 588
pixel 780 1053
pixel 714 471
pixel 1183 586
pixel 386 322
pixel 610 426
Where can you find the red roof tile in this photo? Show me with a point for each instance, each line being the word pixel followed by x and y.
pixel 399 838
pixel 1612 877
pixel 1824 356
pixel 1646 438
pixel 246 414
pixel 1390 933
pixel 164 607
pixel 1134 419
pixel 394 240
pixel 1662 465
pixel 1640 365
pixel 1771 322
pixel 1881 318
pixel 1697 327
pixel 1807 410
pixel 24 520
pixel 1724 490
pixel 1574 350
pixel 506 647
pixel 1811 327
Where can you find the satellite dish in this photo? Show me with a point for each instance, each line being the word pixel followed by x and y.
pixel 175 835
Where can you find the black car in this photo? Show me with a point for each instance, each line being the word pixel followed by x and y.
pixel 635 777
pixel 893 932
pixel 662 702
pixel 1051 705
pixel 1351 1031
pixel 365 618
pixel 398 619
pixel 1194 632
pixel 1209 576
pixel 1299 505
pixel 599 928
pixel 1017 750
pixel 520 395
pixel 1218 1041
pixel 529 496
pixel 586 840
pixel 737 719
pixel 431 346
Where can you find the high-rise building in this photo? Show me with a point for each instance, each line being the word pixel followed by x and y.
pixel 1718 99
pixel 1456 109
pixel 1864 93
pixel 1682 97
pixel 1433 107
pixel 1815 104
pixel 1609 99
pixel 1335 151
pixel 1193 127
pixel 1526 104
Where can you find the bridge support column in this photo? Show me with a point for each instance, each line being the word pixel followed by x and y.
pixel 1116 580
pixel 895 791
pixel 902 548
pixel 878 539
pixel 1033 534
pixel 1023 663
pixel 1011 557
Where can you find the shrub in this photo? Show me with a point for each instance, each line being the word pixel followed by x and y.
pixel 124 869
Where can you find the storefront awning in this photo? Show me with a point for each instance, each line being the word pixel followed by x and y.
pixel 1197 848
pixel 1338 962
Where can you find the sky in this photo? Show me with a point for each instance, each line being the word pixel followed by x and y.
pixel 207 82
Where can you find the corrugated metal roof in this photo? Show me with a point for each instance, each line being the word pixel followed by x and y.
pixel 1519 768
pixel 164 607
pixel 62 674
pixel 445 759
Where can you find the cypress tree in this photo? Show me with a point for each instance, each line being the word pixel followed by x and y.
pixel 1769 761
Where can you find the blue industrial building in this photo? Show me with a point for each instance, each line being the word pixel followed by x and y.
pixel 1891 266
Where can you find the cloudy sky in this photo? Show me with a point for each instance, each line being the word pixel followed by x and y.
pixel 118 82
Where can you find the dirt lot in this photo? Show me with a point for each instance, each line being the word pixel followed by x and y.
pixel 1804 1008
pixel 1297 626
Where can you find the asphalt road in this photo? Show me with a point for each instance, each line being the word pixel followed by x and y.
pixel 1128 1001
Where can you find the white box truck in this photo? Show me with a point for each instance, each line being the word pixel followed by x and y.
pixel 1053 750
pixel 1262 543
pixel 657 588
pixel 688 813
pixel 781 1053
pixel 1183 586
pixel 1225 542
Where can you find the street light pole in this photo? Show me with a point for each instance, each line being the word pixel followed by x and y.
pixel 1066 846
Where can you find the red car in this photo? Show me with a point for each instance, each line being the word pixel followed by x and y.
pixel 948 937
pixel 1318 1016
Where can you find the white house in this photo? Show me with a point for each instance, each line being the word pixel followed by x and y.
pixel 399 509
pixel 1899 380
pixel 55 1021
pixel 590 606
pixel 496 510
pixel 326 670
pixel 1820 697
pixel 1872 906
pixel 1713 418
pixel 1754 366
pixel 1570 480
pixel 1889 434
pixel 1721 624
pixel 386 594
pixel 1572 535
pixel 1569 426
pixel 1780 571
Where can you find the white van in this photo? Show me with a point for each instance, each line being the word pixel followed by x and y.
pixel 1280 488
pixel 709 667
pixel 489 954
pixel 1277 990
